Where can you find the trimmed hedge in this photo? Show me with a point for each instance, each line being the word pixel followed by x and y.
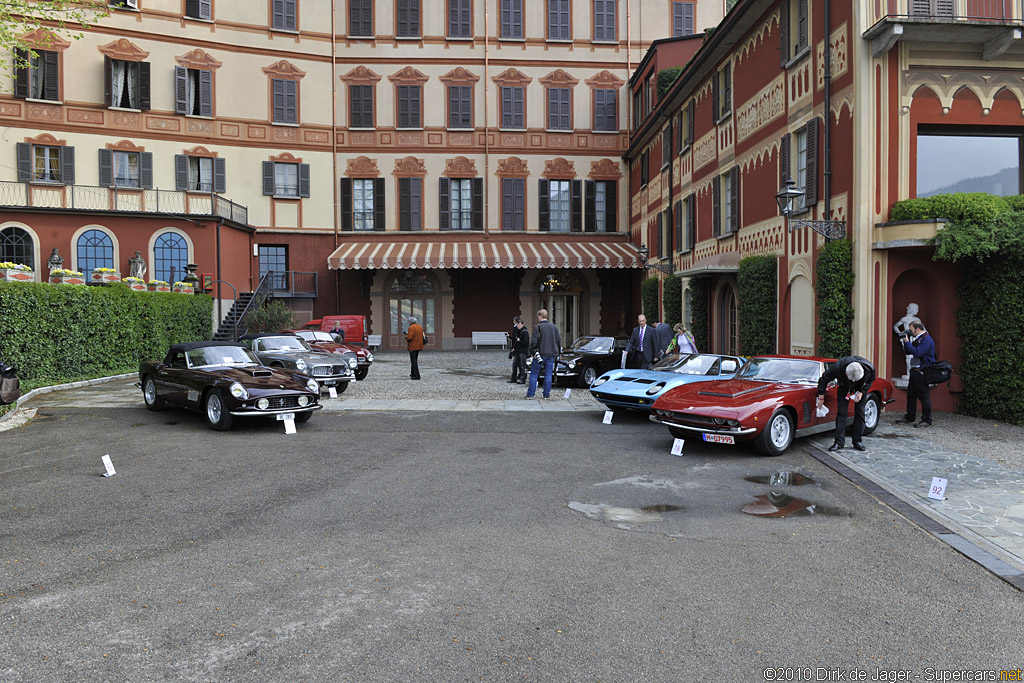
pixel 699 293
pixel 835 291
pixel 649 298
pixel 62 333
pixel 672 299
pixel 758 292
pixel 975 208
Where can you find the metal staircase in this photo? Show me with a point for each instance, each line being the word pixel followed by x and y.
pixel 233 325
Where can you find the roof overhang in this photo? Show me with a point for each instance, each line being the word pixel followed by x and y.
pixel 728 262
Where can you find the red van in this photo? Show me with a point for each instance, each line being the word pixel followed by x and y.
pixel 354 326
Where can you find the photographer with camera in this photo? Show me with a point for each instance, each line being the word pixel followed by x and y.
pixel 519 344
pixel 920 347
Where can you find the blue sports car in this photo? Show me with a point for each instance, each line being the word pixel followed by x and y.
pixel 638 389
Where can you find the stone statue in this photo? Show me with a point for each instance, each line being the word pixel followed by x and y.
pixel 137 266
pixel 902 327
pixel 56 261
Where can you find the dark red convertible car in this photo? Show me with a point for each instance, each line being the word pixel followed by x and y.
pixel 770 401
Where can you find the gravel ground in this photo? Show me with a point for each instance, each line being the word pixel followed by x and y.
pixel 482 375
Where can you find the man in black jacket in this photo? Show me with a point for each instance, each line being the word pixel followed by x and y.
pixel 545 344
pixel 520 344
pixel 855 376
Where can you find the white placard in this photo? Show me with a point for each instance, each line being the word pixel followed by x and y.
pixel 607 417
pixel 938 488
pixel 568 393
pixel 677 447
pixel 289 426
pixel 108 465
pixel 332 392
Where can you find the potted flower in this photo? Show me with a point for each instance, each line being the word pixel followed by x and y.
pixel 138 284
pixel 104 275
pixel 63 276
pixel 15 272
pixel 159 286
pixel 183 288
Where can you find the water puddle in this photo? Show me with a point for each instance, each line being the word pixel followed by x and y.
pixel 623 515
pixel 661 508
pixel 777 504
pixel 782 478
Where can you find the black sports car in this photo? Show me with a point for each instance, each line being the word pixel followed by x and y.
pixel 589 357
pixel 225 380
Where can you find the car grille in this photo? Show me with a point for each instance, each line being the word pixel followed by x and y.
pixel 327 370
pixel 283 402
pixel 687 418
pixel 631 400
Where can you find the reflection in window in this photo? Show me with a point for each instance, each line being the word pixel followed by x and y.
pixel 95 250
pixel 16 247
pixel 412 282
pixel 984 163
pixel 559 197
pixel 170 254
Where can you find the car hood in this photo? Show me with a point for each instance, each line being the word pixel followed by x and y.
pixel 259 376
pixel 726 393
pixel 313 358
pixel 628 381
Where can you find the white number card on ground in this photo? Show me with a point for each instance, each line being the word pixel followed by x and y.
pixel 108 465
pixel 677 447
pixel 938 488
pixel 568 393
pixel 607 417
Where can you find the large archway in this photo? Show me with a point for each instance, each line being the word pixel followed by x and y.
pixel 564 294
pixel 412 294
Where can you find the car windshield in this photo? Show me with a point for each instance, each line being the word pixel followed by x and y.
pixel 781 370
pixel 312 336
pixel 691 364
pixel 220 355
pixel 593 344
pixel 281 344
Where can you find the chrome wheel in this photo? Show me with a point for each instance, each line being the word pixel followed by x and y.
pixel 153 402
pixel 872 411
pixel 781 431
pixel 588 376
pixel 217 415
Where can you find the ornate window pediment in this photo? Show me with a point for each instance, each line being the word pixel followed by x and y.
pixel 511 76
pixel 559 79
pixel 44 39
pixel 286 158
pixel 123 49
pixel 409 167
pixel 284 69
pixel 559 169
pixel 408 76
pixel 46 140
pixel 125 146
pixel 605 79
pixel 199 59
pixel 362 167
pixel 360 76
pixel 198 151
pixel 512 167
pixel 460 167
pixel 604 169
pixel 459 76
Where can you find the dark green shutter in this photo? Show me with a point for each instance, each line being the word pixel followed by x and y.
pixel 590 206
pixel 67 165
pixel 146 170
pixel 180 172
pixel 811 191
pixel 106 168
pixel 268 178
pixel 303 180
pixel 206 93
pixel 22 74
pixel 576 207
pixel 24 162
pixel 611 198
pixel 544 212
pixel 378 204
pixel 144 87
pixel 444 201
pixel 180 90
pixel 220 175
pixel 478 203
pixel 346 204
pixel 51 75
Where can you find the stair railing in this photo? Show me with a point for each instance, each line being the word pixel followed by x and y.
pixel 262 293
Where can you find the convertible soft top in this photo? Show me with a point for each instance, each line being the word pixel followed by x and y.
pixel 188 346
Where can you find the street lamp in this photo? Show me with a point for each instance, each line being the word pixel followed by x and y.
pixel 832 230
pixel 643 253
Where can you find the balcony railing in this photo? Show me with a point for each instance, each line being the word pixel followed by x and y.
pixel 294 283
pixel 952 10
pixel 130 200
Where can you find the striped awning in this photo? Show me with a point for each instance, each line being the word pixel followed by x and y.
pixel 424 250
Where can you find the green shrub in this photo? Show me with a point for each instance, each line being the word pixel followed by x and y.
pixel 1015 202
pixel 977 208
pixel 273 316
pixel 835 289
pixel 912 210
pixel 757 289
pixel 62 333
pixel 1002 236
pixel 672 299
pixel 649 298
pixel 699 294
pixel 666 77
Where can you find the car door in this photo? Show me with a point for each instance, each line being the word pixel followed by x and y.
pixel 172 381
pixel 830 401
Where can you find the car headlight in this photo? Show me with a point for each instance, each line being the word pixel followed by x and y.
pixel 263 404
pixel 656 388
pixel 303 401
pixel 300 365
pixel 313 386
pixel 599 381
pixel 572 364
pixel 369 356
pixel 238 391
pixel 352 362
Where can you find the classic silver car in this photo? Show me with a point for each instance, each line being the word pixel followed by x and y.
pixel 289 351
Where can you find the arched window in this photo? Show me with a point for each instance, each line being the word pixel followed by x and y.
pixel 170 254
pixel 16 246
pixel 728 339
pixel 95 250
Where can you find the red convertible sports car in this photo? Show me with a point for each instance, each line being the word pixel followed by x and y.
pixel 770 400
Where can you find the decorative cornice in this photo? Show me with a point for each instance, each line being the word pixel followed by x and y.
pixel 559 169
pixel 362 167
pixel 511 76
pixel 408 76
pixel 44 39
pixel 46 140
pixel 198 151
pixel 460 167
pixel 512 167
pixel 605 79
pixel 286 158
pixel 198 59
pixel 559 79
pixel 459 76
pixel 604 169
pixel 284 69
pixel 123 49
pixel 409 167
pixel 125 146
pixel 360 76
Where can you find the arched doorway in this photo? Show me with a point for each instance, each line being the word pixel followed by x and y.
pixel 727 337
pixel 413 293
pixel 561 293
pixel 801 317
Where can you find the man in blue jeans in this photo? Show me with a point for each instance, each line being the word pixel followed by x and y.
pixel 544 342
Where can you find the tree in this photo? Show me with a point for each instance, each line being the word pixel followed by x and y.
pixel 56 17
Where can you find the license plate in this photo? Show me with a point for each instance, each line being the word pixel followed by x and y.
pixel 285 416
pixel 719 438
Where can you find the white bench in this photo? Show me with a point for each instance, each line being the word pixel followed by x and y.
pixel 489 339
pixel 373 341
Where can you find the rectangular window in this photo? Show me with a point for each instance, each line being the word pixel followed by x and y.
pixel 126 169
pixel 559 109
pixel 45 164
pixel 360 18
pixel 286 180
pixel 409 106
pixel 800 149
pixel 360 106
pixel 280 179
pixel 461 203
pixel 721 93
pixel 460 106
pixel 513 204
pixel 124 4
pixel 363 204
pixel 685 124
pixel 41 78
pixel 286 101
pixel 274 257
pixel 793 29
pixel 408 19
pixel 512 19
pixel 984 163
pixel 645 162
pixel 682 19
pixel 193 91
pixel 126 84
pixel 410 203
pixel 199 174
pixel 637 109
pixel 284 15
pixel 725 190
pixel 198 9
pixel 666 145
pixel 604 20
pixel 606 117
pixel 460 18
pixel 512 107
pixel 558 20
pixel 601 215
pixel 560 205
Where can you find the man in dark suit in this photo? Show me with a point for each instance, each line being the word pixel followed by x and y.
pixel 643 343
pixel 854 376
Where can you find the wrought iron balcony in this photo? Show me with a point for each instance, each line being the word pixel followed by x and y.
pixel 993 25
pixel 14 195
pixel 293 284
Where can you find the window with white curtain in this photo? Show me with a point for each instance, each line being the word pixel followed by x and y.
pixel 200 174
pixel 126 169
pixel 560 206
pixel 461 203
pixel 124 84
pixel 362 203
